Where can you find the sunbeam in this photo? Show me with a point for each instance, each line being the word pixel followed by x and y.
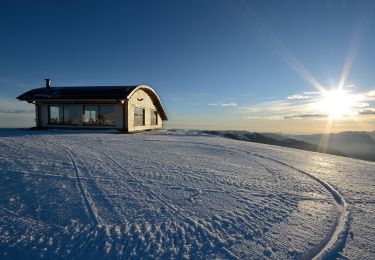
pixel 284 52
pixel 356 39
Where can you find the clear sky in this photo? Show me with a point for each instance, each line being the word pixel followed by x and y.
pixel 279 66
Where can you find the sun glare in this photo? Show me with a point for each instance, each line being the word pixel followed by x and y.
pixel 337 103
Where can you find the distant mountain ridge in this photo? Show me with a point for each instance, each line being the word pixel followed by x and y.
pixel 264 139
pixel 356 144
pixel 359 145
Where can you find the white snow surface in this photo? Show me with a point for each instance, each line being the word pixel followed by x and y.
pixel 181 194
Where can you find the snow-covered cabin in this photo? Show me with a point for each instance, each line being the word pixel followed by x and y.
pixel 128 108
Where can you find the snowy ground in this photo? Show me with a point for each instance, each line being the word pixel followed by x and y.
pixel 179 195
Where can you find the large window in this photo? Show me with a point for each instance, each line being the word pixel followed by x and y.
pixel 139 116
pixel 154 117
pixel 70 115
pixel 55 114
pixel 91 115
pixel 63 115
pixel 106 115
pixel 99 115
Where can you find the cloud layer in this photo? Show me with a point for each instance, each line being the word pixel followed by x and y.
pixel 316 105
pixel 298 97
pixel 302 116
pixel 229 104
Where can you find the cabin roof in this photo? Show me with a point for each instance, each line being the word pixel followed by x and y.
pixel 90 92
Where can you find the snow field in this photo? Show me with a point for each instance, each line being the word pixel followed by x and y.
pixel 162 195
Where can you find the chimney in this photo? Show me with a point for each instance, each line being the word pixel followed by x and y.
pixel 48 83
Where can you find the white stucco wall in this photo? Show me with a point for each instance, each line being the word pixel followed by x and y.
pixel 142 100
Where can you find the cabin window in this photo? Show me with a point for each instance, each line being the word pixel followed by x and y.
pixel 139 116
pixel 91 115
pixel 55 114
pixel 63 115
pixel 99 115
pixel 70 115
pixel 154 117
pixel 106 115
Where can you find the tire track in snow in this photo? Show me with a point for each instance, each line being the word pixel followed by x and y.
pixel 108 203
pixel 89 208
pixel 173 208
pixel 334 242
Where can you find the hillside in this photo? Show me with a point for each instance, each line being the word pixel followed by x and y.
pixel 273 139
pixel 177 194
pixel 359 145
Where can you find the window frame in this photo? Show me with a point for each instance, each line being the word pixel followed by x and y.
pixel 84 110
pixel 143 115
pixel 101 117
pixel 76 114
pixel 61 107
pixel 98 116
pixel 154 112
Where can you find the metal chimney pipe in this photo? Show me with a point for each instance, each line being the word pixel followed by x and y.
pixel 48 83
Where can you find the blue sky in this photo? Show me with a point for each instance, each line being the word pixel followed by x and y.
pixel 215 64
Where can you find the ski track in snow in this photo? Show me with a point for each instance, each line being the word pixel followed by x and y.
pixel 164 196
pixel 173 208
pixel 88 206
pixel 334 241
pixel 332 244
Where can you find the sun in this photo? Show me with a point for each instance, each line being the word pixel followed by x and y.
pixel 337 103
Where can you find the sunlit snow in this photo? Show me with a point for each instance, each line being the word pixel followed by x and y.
pixel 69 194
